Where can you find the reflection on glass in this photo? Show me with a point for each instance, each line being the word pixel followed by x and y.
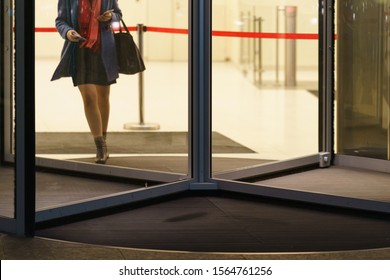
pixel 265 90
pixel 363 78
pixel 7 190
pixel 7 172
pixel 68 122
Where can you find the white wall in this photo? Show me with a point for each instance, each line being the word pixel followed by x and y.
pixel 174 14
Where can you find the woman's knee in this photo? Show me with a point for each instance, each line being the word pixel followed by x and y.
pixel 103 91
pixel 89 98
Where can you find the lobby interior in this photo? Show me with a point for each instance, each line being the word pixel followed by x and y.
pixel 232 161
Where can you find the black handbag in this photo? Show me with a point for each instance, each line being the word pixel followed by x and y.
pixel 128 55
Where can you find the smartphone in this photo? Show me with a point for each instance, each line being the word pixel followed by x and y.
pixel 108 11
pixel 81 39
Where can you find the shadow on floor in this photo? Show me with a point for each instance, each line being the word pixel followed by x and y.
pixel 230 222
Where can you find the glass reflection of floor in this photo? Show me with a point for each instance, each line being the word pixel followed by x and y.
pixel 7 191
pixel 338 181
pixel 271 121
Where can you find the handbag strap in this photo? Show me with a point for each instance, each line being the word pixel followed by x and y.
pixel 124 25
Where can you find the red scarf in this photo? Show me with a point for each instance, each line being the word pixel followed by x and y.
pixel 89 24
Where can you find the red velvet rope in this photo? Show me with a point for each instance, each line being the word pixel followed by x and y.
pixel 239 34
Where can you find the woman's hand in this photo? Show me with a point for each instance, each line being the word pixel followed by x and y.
pixel 106 16
pixel 73 36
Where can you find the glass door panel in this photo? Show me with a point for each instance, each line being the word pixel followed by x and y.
pixel 265 83
pixel 147 134
pixel 148 121
pixel 363 83
pixel 7 172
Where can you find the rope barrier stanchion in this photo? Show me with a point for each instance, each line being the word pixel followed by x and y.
pixel 290 58
pixel 257 53
pixel 141 125
pixel 278 10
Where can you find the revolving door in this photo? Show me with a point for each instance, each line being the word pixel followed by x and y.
pixel 233 134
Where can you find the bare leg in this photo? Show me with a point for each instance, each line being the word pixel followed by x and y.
pixel 103 99
pixel 91 108
pixel 97 109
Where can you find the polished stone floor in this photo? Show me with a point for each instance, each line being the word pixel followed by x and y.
pixel 14 248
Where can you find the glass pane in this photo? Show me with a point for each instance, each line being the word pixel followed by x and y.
pixel 7 172
pixel 265 86
pixel 363 78
pixel 147 131
pixel 7 189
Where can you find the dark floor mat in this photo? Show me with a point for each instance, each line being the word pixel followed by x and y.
pixel 130 143
pixel 175 164
pixel 230 223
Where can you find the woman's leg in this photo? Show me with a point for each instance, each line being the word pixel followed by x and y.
pixel 103 99
pixel 91 108
pixel 90 95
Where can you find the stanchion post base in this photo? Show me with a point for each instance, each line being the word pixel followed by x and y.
pixel 141 126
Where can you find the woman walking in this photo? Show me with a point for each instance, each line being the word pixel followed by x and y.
pixel 89 57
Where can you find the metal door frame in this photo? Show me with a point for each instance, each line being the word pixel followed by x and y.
pixel 23 221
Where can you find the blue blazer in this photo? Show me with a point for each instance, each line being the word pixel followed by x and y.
pixel 67 20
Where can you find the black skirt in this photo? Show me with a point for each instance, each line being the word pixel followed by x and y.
pixel 90 69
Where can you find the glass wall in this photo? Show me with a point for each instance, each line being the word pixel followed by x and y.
pixel 148 117
pixel 7 172
pixel 265 82
pixel 363 83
